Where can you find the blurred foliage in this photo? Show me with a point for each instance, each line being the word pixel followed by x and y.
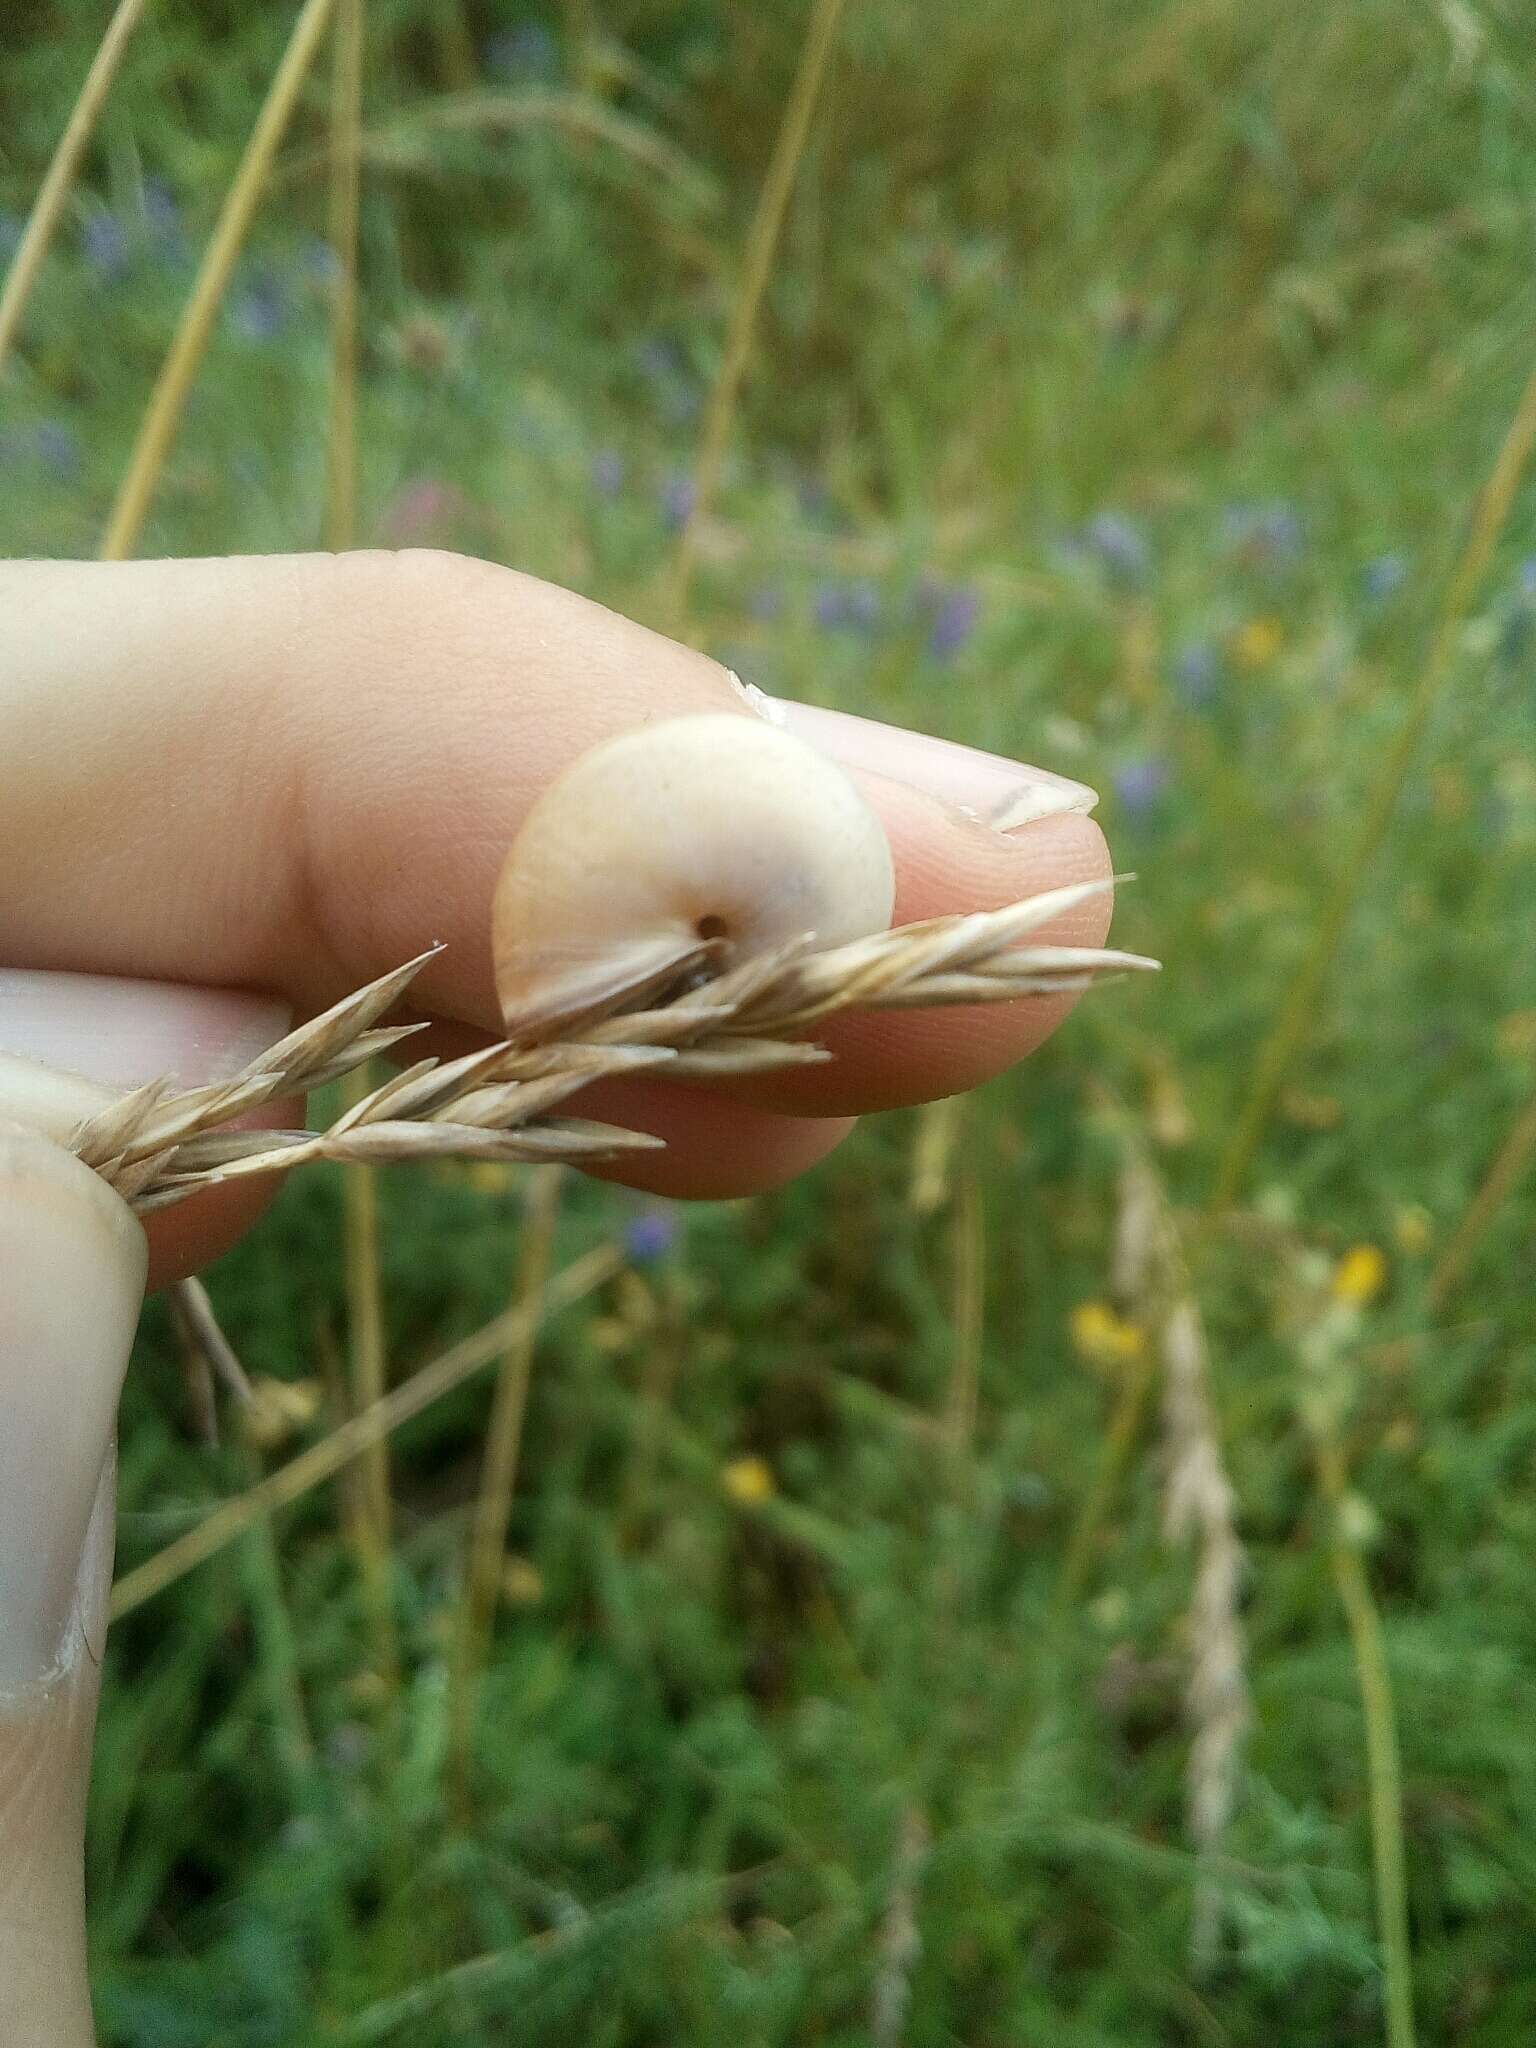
pixel 1126 376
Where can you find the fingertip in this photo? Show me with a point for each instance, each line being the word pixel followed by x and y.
pixel 948 863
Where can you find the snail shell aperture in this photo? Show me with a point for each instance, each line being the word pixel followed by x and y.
pixel 717 828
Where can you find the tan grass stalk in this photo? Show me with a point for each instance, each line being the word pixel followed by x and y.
pixel 371 1525
pixel 1509 1166
pixel 933 1153
pixel 162 416
pixel 1132 1279
pixel 757 265
pixel 345 130
pixel 53 192
pixel 901 1941
pixel 1297 1013
pixel 202 1336
pixel 1199 1503
pixel 498 1479
pixel 455 44
pixel 333 1453
pixel 584 120
pixel 368 1379
pixel 157 1147
pixel 969 1283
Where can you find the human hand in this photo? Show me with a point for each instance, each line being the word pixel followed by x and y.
pixel 286 775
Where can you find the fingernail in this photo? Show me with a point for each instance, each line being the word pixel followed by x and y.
pixel 1002 794
pixel 72 1267
pixel 123 1033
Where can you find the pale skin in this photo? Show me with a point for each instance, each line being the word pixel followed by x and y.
pixel 286 775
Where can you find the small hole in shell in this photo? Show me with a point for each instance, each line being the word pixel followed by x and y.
pixel 711 927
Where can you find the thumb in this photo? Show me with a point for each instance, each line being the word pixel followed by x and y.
pixel 73 1261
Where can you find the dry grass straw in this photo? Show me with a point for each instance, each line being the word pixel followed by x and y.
pixel 498 1479
pixel 335 1452
pixel 371 1525
pixel 1290 1028
pixel 757 265
pixel 207 1352
pixel 1199 1503
pixel 53 192
pixel 901 1941
pixel 345 134
pixel 1504 1175
pixel 156 1146
pixel 1130 1277
pixel 968 1259
pixel 162 415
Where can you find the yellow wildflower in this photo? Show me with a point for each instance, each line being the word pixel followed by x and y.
pixel 486 1177
pixel 1311 1112
pixel 1360 1275
pixel 1103 1338
pixel 749 1481
pixel 279 1409
pixel 522 1583
pixel 1414 1230
pixel 1257 642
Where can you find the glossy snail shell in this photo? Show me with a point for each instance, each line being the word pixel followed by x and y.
pixel 718 830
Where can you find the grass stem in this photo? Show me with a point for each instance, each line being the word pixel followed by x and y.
pixel 59 178
pixel 1299 1010
pixel 498 1473
pixel 162 416
pixel 334 1452
pixel 1510 1162
pixel 1382 1761
pixel 345 134
pixel 757 265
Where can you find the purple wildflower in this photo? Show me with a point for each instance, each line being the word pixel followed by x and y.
pixel 58 447
pixel 1527 577
pixel 607 473
pixel 162 210
pixel 650 1236
pixel 956 610
pixel 1268 532
pixel 815 501
pixel 527 51
pixel 1384 577
pixel 106 245
pixel 662 364
pixel 1120 545
pixel 659 358
pixel 1197 674
pixel 320 260
pixel 1515 634
pixel 848 607
pixel 1141 784
pixel 677 501
pixel 260 311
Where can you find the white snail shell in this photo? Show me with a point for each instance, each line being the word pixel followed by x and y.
pixel 715 828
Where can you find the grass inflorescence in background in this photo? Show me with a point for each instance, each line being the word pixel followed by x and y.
pixel 1118 399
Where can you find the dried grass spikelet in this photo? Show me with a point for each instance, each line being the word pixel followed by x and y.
pixel 700 953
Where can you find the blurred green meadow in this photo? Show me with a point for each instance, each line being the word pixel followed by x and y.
pixel 1123 387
